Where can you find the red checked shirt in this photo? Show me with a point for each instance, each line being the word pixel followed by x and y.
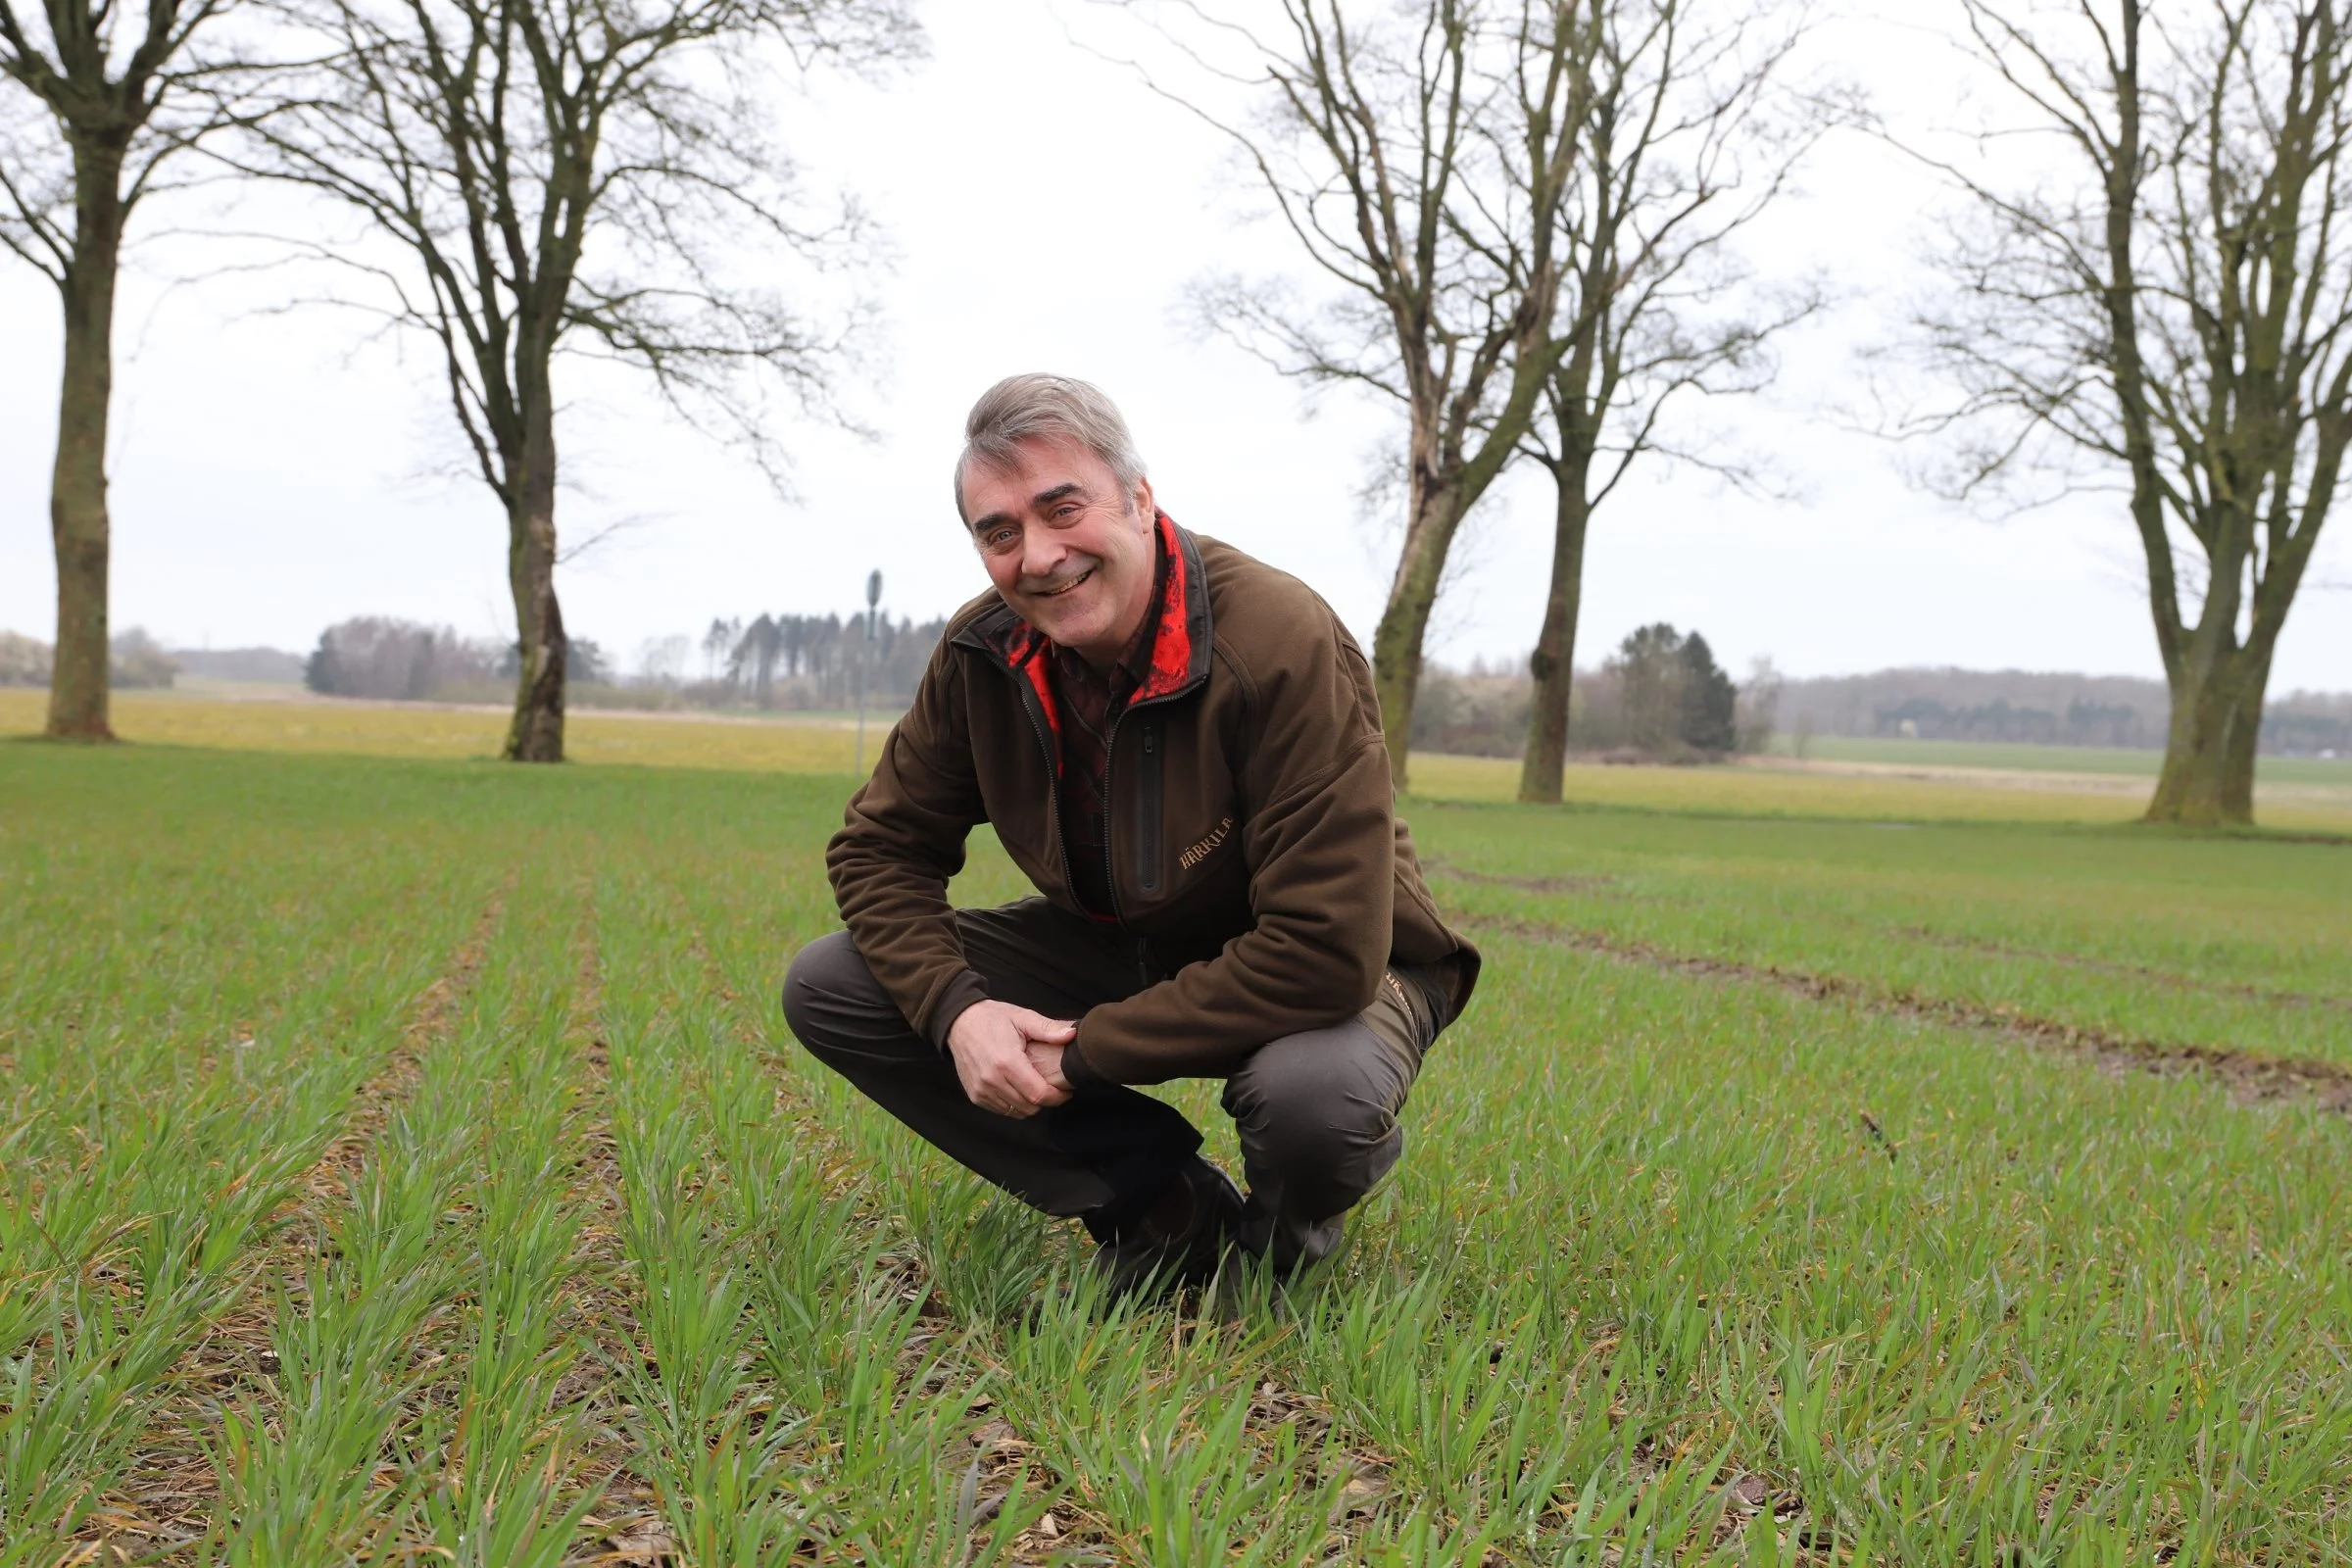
pixel 1091 702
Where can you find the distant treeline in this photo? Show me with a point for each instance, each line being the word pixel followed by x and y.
pixel 1483 711
pixel 385 658
pixel 1659 696
pixel 773 661
pixel 814 661
pixel 135 659
pixel 2036 708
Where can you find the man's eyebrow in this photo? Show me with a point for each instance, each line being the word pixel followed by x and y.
pixel 1042 499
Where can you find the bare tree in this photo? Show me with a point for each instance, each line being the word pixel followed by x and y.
pixel 761 646
pixel 2178 314
pixel 1418 155
pixel 564 174
pixel 715 643
pixel 110 102
pixel 1692 135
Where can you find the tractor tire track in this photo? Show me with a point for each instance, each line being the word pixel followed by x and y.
pixel 2247 1075
pixel 1446 870
pixel 2165 978
pixel 1606 887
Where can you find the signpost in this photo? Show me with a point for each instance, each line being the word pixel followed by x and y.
pixel 865 660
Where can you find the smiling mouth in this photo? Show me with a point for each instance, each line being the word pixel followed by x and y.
pixel 1056 593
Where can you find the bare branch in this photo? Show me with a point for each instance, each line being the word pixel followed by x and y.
pixel 2179 312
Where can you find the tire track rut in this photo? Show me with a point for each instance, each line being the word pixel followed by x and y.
pixel 2248 1076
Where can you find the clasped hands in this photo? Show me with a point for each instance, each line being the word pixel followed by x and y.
pixel 1009 1058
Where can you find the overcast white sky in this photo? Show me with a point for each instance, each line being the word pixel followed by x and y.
pixel 274 472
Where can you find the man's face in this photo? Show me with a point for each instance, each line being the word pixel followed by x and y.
pixel 1071 554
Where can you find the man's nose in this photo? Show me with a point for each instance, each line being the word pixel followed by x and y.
pixel 1041 552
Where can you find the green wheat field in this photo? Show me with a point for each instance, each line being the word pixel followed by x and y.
pixel 402 1161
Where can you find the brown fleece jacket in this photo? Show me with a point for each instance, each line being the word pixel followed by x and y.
pixel 1257 859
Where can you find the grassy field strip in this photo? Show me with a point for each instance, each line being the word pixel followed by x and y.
pixel 793 1395
pixel 118 1270
pixel 1686 1261
pixel 2130 939
pixel 494 1478
pixel 2042 992
pixel 776 743
pixel 1796 793
pixel 172 1485
pixel 2101 996
pixel 1895 751
pixel 143 1161
pixel 323 1460
pixel 1462 1405
pixel 945 1254
pixel 1871 1410
pixel 180 966
pixel 2246 1074
pixel 2139 972
pixel 701 1430
pixel 2273 912
pixel 2034 1308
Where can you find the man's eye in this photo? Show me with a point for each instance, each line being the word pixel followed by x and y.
pixel 999 540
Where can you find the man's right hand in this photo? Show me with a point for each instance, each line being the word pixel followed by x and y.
pixel 989 1043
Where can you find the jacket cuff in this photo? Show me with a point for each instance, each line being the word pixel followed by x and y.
pixel 1080 1073
pixel 962 990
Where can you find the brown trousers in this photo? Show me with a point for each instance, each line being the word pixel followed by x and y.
pixel 1316 1112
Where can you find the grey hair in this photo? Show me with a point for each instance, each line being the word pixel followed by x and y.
pixel 1037 406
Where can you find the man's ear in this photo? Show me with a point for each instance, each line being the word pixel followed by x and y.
pixel 1146 508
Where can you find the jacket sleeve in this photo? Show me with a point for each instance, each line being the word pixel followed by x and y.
pixel 901 841
pixel 1318 828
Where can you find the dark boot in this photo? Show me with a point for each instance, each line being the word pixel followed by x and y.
pixel 1180 1240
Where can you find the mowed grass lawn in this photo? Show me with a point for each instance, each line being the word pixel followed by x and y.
pixel 402 1159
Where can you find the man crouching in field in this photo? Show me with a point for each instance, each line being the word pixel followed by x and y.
pixel 1180 747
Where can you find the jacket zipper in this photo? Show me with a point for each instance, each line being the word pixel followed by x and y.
pixel 1147 877
pixel 1110 750
pixel 1045 742
pixel 1110 761
pixel 1148 812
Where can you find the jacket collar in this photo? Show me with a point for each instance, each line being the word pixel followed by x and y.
pixel 1180 648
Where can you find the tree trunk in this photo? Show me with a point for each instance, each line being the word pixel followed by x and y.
pixel 1554 663
pixel 1405 622
pixel 536 734
pixel 2245 741
pixel 2208 775
pixel 78 526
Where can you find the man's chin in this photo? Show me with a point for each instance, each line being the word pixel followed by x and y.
pixel 1068 632
pixel 1070 626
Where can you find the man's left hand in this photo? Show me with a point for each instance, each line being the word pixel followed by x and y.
pixel 1046 1059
